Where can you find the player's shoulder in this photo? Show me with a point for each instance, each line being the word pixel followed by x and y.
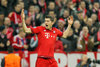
pixel 54 28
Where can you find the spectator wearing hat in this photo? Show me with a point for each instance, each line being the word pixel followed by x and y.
pixel 61 24
pixel 4 42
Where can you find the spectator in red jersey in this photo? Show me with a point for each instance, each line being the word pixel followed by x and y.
pixel 82 7
pixel 4 42
pixel 96 9
pixel 15 16
pixel 42 4
pixel 19 41
pixel 84 42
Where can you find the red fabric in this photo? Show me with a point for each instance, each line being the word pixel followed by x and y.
pixel 46 62
pixel 58 46
pixel 17 42
pixel 47 39
pixel 16 18
pixel 9 32
pixel 98 36
pixel 99 15
pixel 86 41
pixel 85 11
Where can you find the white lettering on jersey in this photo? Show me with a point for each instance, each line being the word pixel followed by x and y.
pixel 47 35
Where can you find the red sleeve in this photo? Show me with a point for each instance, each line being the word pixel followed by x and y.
pixel 59 33
pixel 11 16
pixel 15 44
pixel 36 30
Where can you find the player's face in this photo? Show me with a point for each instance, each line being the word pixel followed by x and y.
pixel 48 23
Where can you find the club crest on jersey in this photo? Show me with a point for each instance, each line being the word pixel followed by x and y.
pixel 54 31
pixel 44 30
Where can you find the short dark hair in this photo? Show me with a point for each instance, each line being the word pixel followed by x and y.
pixel 10 49
pixel 47 16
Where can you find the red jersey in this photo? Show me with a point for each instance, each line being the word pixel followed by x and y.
pixel 46 40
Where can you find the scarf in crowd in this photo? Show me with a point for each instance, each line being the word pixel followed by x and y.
pixel 98 36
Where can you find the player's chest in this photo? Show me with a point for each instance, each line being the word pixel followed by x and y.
pixel 47 34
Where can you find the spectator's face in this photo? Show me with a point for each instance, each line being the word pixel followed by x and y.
pixel 80 16
pixel 66 13
pixel 18 8
pixel 7 22
pixel 37 10
pixel 51 6
pixel 1 16
pixel 94 17
pixel 28 21
pixel 76 24
pixel 4 31
pixel 85 30
pixel 4 3
pixel 48 23
pixel 84 58
pixel 82 5
pixel 60 25
pixel 22 4
pixel 89 22
pixel 31 9
pixel 52 14
pixel 23 34
pixel 96 5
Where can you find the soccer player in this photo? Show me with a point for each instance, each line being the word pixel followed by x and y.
pixel 46 40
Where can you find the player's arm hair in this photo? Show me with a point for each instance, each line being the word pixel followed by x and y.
pixel 66 32
pixel 27 30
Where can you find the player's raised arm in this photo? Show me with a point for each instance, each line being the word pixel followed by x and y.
pixel 70 22
pixel 27 30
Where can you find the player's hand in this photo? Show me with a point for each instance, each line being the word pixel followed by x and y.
pixel 70 20
pixel 22 14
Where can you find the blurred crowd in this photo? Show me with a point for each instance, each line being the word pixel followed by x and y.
pixel 84 34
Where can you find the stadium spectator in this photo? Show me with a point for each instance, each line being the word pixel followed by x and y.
pixel 11 60
pixel 83 62
pixel 70 43
pixel 33 43
pixel 97 41
pixel 4 42
pixel 76 28
pixel 10 29
pixel 61 24
pixel 19 41
pixel 1 18
pixel 15 15
pixel 4 7
pixel 84 41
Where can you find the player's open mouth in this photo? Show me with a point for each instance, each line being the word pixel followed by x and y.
pixel 46 25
